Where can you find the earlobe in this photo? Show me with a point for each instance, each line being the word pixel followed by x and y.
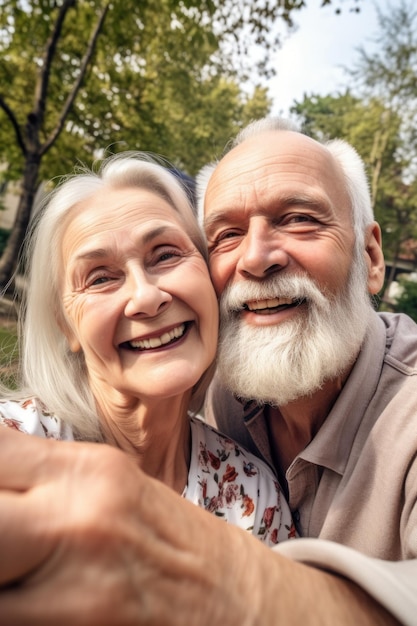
pixel 74 344
pixel 374 258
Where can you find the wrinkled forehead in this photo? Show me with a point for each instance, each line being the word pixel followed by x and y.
pixel 270 161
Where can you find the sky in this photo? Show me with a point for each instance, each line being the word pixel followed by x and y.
pixel 311 60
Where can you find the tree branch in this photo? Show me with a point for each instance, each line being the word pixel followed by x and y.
pixel 43 81
pixel 83 68
pixel 15 124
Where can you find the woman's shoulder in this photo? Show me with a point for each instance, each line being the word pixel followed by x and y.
pixel 29 415
pixel 233 484
pixel 218 447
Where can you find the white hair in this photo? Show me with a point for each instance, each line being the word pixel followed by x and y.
pixel 279 364
pixel 48 368
pixel 357 186
pixel 201 184
pixel 351 164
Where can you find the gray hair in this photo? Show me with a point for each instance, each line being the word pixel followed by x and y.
pixel 351 164
pixel 49 370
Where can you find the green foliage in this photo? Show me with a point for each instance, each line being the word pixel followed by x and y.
pixel 81 78
pixel 377 115
pixel 407 302
pixel 9 356
pixel 151 82
pixel 8 346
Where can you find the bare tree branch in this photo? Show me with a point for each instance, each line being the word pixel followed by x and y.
pixel 15 124
pixel 43 81
pixel 83 68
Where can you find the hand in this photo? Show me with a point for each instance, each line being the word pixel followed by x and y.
pixel 87 539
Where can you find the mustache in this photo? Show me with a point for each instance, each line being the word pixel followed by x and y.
pixel 297 288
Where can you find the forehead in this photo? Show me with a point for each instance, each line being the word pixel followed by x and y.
pixel 117 213
pixel 257 171
pixel 115 209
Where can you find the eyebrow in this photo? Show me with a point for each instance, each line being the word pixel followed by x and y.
pixel 100 253
pixel 155 232
pixel 214 219
pixel 224 215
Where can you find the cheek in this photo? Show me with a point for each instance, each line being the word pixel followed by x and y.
pixel 73 308
pixel 328 264
pixel 221 269
pixel 68 322
pixel 212 312
pixel 204 302
pixel 85 321
pixel 210 317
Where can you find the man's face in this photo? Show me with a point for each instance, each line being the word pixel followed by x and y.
pixel 277 203
pixel 281 243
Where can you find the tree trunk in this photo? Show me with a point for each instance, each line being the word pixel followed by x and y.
pixel 9 258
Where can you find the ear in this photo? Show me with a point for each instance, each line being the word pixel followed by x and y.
pixel 374 258
pixel 74 344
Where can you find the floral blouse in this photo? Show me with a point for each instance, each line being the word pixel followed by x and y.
pixel 223 477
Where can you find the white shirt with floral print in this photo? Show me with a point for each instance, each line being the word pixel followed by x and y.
pixel 223 477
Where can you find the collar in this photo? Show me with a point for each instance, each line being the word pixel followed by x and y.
pixel 332 445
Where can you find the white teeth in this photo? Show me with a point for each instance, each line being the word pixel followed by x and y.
pixel 156 342
pixel 269 304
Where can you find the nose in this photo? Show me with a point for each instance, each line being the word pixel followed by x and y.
pixel 262 252
pixel 145 296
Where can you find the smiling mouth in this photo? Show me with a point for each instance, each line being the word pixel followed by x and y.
pixel 272 305
pixel 167 338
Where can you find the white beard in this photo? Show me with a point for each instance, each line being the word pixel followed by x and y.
pixel 281 363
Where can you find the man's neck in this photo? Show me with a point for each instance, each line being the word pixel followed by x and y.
pixel 293 426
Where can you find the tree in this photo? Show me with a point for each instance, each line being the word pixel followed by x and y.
pixel 78 76
pixel 407 301
pixel 377 115
pixel 28 138
pixel 389 75
pixel 375 131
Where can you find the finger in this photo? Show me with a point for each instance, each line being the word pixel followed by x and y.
pixel 27 461
pixel 23 606
pixel 22 548
pixel 23 459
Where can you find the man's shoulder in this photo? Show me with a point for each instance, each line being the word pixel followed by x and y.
pixel 223 411
pixel 398 323
pixel 401 340
pixel 221 401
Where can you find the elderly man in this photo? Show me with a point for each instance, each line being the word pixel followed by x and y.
pixel 318 383
pixel 309 376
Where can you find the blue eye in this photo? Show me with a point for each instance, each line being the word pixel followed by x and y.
pixel 228 235
pixel 100 280
pixel 166 253
pixel 166 256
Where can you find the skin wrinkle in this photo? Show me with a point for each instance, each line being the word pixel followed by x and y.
pixel 140 555
pixel 129 272
pixel 277 206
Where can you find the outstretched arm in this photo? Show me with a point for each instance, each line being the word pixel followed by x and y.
pixel 86 538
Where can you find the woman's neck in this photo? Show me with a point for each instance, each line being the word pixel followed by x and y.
pixel 156 434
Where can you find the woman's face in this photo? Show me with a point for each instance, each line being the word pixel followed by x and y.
pixel 137 296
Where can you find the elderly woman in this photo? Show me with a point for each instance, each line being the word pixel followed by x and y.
pixel 119 334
